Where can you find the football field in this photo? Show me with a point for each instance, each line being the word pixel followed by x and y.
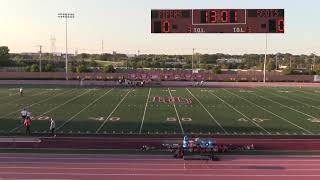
pixel 252 111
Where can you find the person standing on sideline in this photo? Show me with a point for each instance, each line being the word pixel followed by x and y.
pixel 52 127
pixel 27 123
pixel 21 91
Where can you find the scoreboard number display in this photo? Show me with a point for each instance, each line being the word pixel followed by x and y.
pixel 217 21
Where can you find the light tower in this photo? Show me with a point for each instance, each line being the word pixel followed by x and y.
pixel 66 16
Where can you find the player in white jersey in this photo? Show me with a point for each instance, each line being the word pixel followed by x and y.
pixel 21 91
pixel 24 113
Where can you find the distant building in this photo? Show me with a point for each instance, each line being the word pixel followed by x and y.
pixel 229 61
pixel 282 66
pixel 175 61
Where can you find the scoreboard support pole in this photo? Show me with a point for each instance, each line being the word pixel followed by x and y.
pixel 192 60
pixel 265 60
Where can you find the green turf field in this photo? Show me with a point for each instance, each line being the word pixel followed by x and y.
pixel 261 111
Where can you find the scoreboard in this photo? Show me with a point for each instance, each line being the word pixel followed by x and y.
pixel 217 21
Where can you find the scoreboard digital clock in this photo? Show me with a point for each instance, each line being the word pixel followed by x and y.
pixel 217 21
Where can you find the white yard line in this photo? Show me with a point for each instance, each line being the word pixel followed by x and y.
pixel 44 100
pixel 25 97
pixel 309 98
pixel 18 93
pixel 241 113
pixel 144 112
pixel 284 119
pixel 292 99
pixel 175 108
pixel 70 119
pixel 106 120
pixel 284 105
pixel 14 129
pixel 11 95
pixel 311 93
pixel 207 111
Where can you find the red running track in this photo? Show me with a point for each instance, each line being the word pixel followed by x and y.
pixel 134 167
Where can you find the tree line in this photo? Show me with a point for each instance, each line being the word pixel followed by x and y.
pixel 84 62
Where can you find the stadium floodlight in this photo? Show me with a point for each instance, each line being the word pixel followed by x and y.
pixel 66 16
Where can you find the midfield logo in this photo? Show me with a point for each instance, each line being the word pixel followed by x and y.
pixel 172 100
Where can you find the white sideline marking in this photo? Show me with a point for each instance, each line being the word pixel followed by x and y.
pixel 18 127
pixel 207 111
pixel 240 113
pixel 105 121
pixel 144 112
pixel 271 113
pixel 70 119
pixel 293 100
pixel 35 104
pixel 284 105
pixel 175 108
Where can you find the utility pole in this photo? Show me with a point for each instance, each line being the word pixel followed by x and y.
pixel 314 61
pixel 66 16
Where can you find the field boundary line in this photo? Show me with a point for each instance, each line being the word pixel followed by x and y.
pixel 284 105
pixel 177 114
pixel 44 100
pixel 214 119
pixel 144 112
pixel 240 113
pixel 275 94
pixel 105 121
pixel 70 119
pixel 284 119
pixel 57 107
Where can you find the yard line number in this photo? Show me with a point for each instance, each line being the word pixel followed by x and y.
pixel 257 120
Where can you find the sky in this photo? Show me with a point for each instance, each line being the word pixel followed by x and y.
pixel 124 26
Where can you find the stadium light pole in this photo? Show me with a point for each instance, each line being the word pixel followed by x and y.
pixel 265 60
pixel 66 16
